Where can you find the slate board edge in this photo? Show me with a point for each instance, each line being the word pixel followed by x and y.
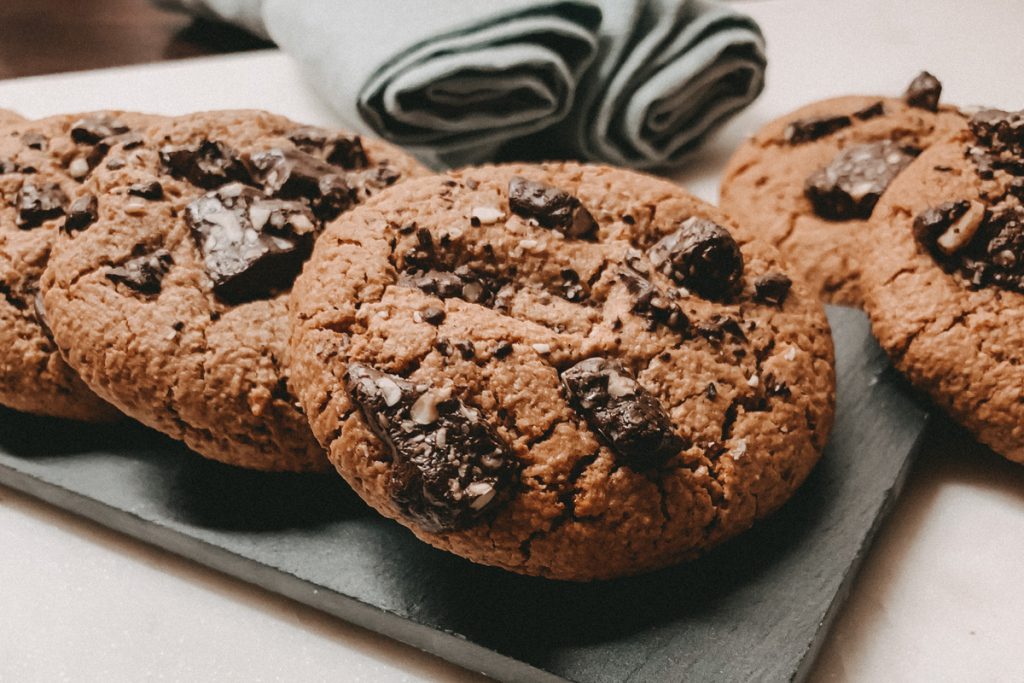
pixel 806 664
pixel 458 650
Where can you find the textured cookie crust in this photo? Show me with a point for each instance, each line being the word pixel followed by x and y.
pixel 961 345
pixel 180 359
pixel 8 117
pixel 763 186
pixel 33 376
pixel 575 510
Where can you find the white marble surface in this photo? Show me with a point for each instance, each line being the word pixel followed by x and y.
pixel 940 596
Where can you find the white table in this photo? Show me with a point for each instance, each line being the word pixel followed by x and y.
pixel 940 597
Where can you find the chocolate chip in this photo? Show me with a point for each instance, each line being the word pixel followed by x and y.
pixel 292 174
pixel 628 417
pixel 651 303
pixel 34 140
pixel 711 391
pixel 715 329
pixel 807 130
pixel 772 288
pixel 252 247
pixel 466 349
pixel 998 129
pixel 38 202
pixel 850 186
pixel 503 350
pixel 462 284
pixel 701 256
pixel 208 165
pixel 932 222
pixel 572 289
pixel 91 129
pixel 1000 136
pixel 147 190
pixel 449 468
pixel 339 149
pixel 984 248
pixel 433 315
pixel 145 273
pixel 82 213
pixel 550 207
pixel 924 92
pixel 870 112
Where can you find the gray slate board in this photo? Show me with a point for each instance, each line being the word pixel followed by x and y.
pixel 756 608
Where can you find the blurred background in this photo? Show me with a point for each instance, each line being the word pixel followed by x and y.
pixel 93 34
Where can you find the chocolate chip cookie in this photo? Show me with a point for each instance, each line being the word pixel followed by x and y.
pixel 809 181
pixel 563 370
pixel 945 277
pixel 42 166
pixel 167 290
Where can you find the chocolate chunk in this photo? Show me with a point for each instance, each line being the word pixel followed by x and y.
pixel 772 288
pixel 622 412
pixel 701 256
pixel 1000 137
pixel 984 248
pixel 449 467
pixel 147 190
pixel 433 315
pixel 572 289
pixel 462 284
pixel 38 202
pixel 715 329
pixel 923 92
pixel 503 350
pixel 998 129
pixel 145 273
pixel 850 186
pixel 807 130
pixel 466 349
pixel 933 222
pixel 34 140
pixel 252 247
pixel 208 165
pixel 82 213
pixel 292 174
pixel 651 303
pixel 92 129
pixel 338 149
pixel 711 391
pixel 550 207
pixel 870 112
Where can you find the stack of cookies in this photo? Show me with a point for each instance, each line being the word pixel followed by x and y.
pixel 914 210
pixel 563 370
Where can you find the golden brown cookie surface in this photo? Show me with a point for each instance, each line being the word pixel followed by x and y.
pixel 562 370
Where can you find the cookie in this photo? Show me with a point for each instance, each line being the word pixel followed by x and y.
pixel 808 181
pixel 563 370
pixel 8 117
pixel 42 165
pixel 945 277
pixel 169 297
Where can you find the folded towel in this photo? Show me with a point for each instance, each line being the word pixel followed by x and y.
pixel 457 81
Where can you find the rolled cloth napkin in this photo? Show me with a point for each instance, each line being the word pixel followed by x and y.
pixel 636 83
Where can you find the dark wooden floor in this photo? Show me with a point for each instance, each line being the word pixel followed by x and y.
pixel 47 36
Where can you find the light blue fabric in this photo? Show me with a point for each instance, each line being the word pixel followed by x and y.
pixel 636 83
